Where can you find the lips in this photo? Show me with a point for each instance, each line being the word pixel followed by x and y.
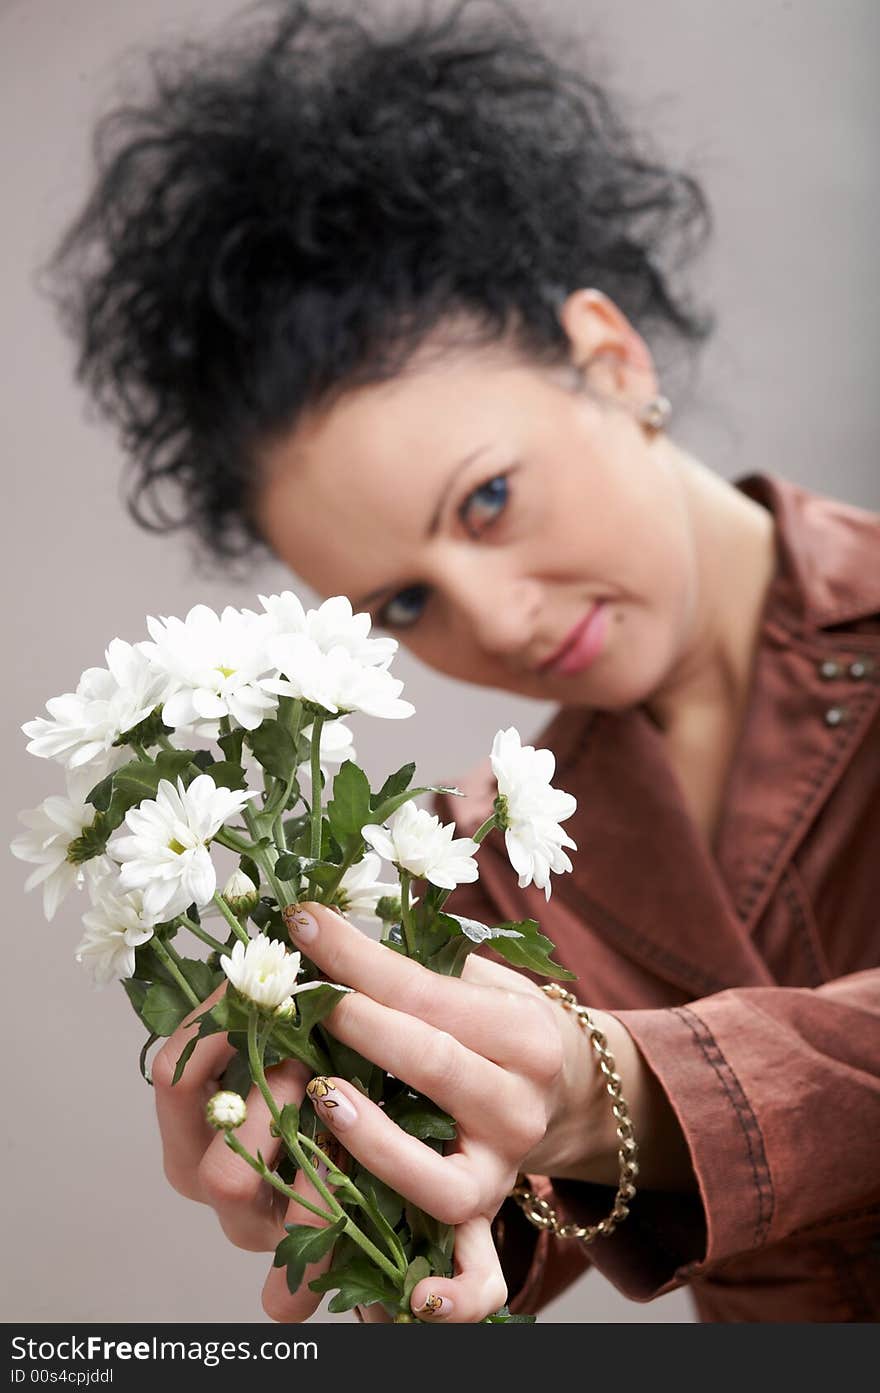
pixel 581 645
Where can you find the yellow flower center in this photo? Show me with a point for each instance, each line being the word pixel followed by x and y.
pixel 177 847
pixel 227 671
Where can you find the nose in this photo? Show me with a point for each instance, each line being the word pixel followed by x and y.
pixel 500 611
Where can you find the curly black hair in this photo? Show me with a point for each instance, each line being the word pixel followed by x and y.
pixel 294 206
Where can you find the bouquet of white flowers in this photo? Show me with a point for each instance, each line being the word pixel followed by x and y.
pixel 220 731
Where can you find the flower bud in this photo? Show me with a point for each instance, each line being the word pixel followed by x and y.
pixel 226 1111
pixel 241 894
pixel 286 1010
pixel 388 909
pixel 502 814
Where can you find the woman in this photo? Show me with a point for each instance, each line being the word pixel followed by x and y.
pixel 376 300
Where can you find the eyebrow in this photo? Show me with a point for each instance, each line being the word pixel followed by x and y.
pixel 432 525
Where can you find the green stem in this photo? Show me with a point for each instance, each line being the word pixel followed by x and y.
pixel 201 933
pixel 234 840
pixel 237 928
pixel 279 834
pixel 165 957
pixel 395 1246
pixel 256 1045
pixel 405 914
pixel 317 727
pixel 139 750
pixel 483 830
pixel 274 1180
pixel 166 744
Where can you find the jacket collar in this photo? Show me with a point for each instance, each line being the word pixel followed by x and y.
pixel 828 570
pixel 643 878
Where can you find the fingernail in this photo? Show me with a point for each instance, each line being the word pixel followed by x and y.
pixel 434 1306
pixel 299 923
pixel 335 1107
pixel 332 1149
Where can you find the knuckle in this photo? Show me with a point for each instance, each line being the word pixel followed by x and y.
pixel 277 1304
pixel 439 1059
pixel 181 1180
pixel 162 1070
pixel 529 1130
pixel 225 1179
pixel 460 1201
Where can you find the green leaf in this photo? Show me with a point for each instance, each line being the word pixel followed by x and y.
pixel 100 795
pixel 420 1117
pixel 503 1317
pixel 202 978
pixel 184 1058
pixel 387 1201
pixel 348 1064
pixel 231 745
pixel 287 867
pixel 136 991
pixel 532 951
pixel 418 1268
pixel 430 1235
pixel 359 1283
pixel 273 746
pixel 394 784
pixel 142 1058
pixel 164 1008
pixel 303 1245
pixel 289 1120
pixel 139 779
pixel 451 958
pixel 250 868
pixel 226 774
pixel 349 808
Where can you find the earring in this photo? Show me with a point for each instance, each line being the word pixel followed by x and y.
pixel 655 414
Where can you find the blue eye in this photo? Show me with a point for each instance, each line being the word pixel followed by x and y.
pixel 485 504
pixel 404 608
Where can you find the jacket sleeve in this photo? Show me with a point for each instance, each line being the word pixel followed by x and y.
pixel 777 1091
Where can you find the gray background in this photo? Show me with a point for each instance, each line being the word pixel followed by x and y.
pixel 774 105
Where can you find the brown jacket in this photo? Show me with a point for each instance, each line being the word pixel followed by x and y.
pixel 748 978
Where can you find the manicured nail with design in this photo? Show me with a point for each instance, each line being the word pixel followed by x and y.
pixel 335 1107
pixel 301 925
pixel 332 1149
pixel 434 1306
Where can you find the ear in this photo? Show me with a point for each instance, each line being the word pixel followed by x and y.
pixel 606 349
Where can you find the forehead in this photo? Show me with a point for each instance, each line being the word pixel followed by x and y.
pixel 350 491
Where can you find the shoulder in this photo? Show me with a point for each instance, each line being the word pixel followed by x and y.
pixel 828 554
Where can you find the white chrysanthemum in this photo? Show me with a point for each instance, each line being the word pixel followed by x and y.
pixel 532 810
pixel 335 680
pixel 107 702
pixel 226 1111
pixel 265 972
pixel 360 891
pixel 166 854
pixel 420 843
pixel 114 927
pixel 333 624
pixel 58 821
pixel 214 665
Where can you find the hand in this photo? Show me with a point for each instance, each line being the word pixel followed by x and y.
pixel 510 1065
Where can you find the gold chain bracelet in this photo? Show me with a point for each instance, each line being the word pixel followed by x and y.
pixel 540 1211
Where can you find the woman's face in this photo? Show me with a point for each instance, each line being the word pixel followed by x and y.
pixel 481 508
